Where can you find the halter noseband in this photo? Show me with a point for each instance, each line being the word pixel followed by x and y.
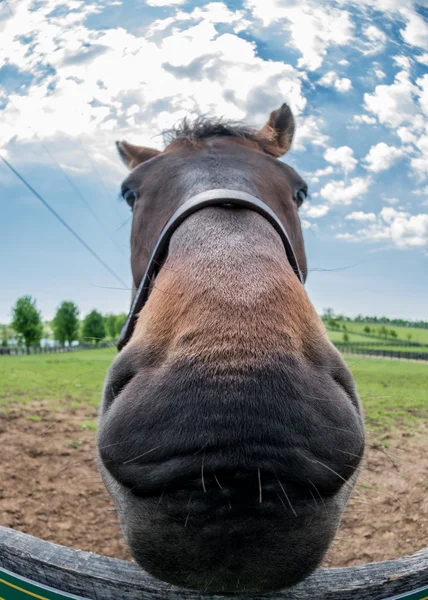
pixel 217 197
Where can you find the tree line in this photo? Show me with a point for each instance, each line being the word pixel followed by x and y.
pixel 330 314
pixel 28 328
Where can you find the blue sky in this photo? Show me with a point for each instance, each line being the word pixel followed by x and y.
pixel 76 76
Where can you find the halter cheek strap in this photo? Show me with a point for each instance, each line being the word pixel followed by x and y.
pixel 216 197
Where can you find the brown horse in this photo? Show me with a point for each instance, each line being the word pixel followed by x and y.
pixel 230 429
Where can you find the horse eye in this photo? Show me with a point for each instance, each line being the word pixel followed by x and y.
pixel 130 196
pixel 301 196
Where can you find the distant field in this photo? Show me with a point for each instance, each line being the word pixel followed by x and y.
pixel 337 336
pixel 418 335
pixel 392 391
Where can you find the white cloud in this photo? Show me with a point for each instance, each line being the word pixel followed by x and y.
pixel 422 82
pixel 393 104
pixel 343 85
pixel 401 228
pixel 422 59
pixel 308 225
pixel 309 129
pixel 165 2
pixel 314 211
pixel 379 74
pixel 402 61
pixel 328 79
pixel 416 30
pixel 364 119
pixel 343 62
pixel 337 192
pixel 381 157
pixel 313 28
pixel 343 157
pixel 403 106
pixel 376 40
pixel 324 172
pixel 192 70
pixel 421 191
pixel 420 162
pixel 315 177
pixel 331 79
pixel 360 216
pixel 406 135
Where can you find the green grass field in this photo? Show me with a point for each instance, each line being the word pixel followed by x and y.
pixel 337 336
pixel 393 392
pixel 75 377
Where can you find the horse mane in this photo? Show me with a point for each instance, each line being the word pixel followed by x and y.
pixel 202 128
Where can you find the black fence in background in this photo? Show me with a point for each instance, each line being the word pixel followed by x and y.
pixel 378 352
pixel 369 349
pixel 379 345
pixel 22 351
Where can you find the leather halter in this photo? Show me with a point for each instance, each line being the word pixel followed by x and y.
pixel 216 197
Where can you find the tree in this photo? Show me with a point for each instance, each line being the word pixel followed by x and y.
pixel 383 332
pixel 93 329
pixel 66 323
pixel 120 322
pixel 4 339
pixel 393 333
pixel 110 321
pixel 328 313
pixel 27 321
pixel 409 336
pixel 345 337
pixel 367 329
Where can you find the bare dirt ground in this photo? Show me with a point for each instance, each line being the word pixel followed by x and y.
pixel 50 488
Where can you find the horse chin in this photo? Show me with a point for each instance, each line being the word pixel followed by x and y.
pixel 199 540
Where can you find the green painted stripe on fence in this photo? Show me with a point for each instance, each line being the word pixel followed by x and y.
pixel 419 594
pixel 13 587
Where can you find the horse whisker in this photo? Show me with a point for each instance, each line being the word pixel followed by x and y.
pixel 202 473
pixel 287 498
pixel 143 454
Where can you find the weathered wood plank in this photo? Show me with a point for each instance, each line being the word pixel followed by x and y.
pixel 102 578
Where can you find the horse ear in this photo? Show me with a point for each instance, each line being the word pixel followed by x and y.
pixel 278 131
pixel 134 155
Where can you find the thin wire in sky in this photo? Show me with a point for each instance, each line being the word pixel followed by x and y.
pixel 8 5
pixel 74 187
pixel 77 191
pixel 66 225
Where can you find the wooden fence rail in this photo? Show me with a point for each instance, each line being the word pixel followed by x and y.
pixel 71 573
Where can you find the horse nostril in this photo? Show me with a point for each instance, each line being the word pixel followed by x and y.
pixel 117 380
